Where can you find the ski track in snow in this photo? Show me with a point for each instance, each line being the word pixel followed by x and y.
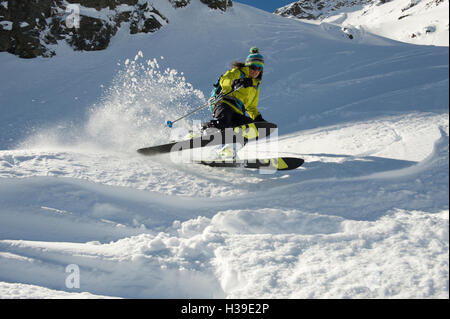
pixel 355 211
pixel 366 216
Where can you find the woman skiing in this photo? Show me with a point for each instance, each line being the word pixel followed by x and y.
pixel 244 79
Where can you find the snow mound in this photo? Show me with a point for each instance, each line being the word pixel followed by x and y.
pixel 82 215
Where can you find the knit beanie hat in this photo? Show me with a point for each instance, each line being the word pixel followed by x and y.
pixel 255 58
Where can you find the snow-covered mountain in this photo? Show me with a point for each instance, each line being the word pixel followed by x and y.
pixel 82 215
pixel 33 28
pixel 413 21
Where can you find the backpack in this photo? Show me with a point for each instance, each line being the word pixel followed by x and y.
pixel 217 88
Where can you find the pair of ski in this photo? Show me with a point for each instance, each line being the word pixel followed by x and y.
pixel 241 134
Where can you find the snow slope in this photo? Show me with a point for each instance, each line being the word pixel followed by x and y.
pixel 423 22
pixel 365 217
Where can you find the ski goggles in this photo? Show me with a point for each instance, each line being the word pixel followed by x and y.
pixel 255 68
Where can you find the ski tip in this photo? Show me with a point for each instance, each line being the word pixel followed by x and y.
pixel 288 163
pixel 169 124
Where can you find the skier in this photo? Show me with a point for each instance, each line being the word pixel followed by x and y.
pixel 236 93
pixel 246 78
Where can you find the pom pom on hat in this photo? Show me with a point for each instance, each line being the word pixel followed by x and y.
pixel 255 58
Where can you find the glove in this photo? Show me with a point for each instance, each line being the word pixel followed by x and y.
pixel 241 83
pixel 259 118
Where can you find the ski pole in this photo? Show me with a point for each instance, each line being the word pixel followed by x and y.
pixel 213 101
pixel 170 123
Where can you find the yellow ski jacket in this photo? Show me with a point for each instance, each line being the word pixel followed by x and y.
pixel 245 99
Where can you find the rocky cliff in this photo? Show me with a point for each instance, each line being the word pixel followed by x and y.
pixel 316 9
pixel 31 28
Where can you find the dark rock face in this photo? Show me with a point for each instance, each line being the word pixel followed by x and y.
pixel 93 34
pixel 21 23
pixel 179 3
pixel 213 4
pixel 31 28
pixel 218 4
pixel 316 9
pixel 144 19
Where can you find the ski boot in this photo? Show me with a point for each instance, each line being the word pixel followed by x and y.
pixel 227 152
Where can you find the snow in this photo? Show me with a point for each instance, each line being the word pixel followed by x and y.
pixel 6 25
pixel 420 21
pixel 366 216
